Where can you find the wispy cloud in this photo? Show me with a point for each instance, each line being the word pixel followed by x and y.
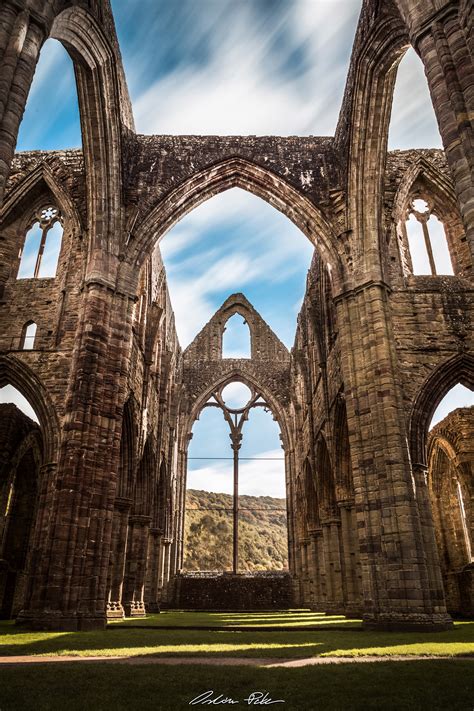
pixel 413 123
pixel 264 476
pixel 235 242
pixel 246 67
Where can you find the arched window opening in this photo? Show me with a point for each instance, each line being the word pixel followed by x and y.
pixel 427 241
pixel 413 122
pixel 236 242
pixel 40 252
pixel 208 515
pixel 53 87
pixel 28 336
pixel 236 338
pixel 236 487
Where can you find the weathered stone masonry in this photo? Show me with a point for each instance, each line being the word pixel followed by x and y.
pixel 376 349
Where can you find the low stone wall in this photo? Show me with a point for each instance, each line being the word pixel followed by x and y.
pixel 225 591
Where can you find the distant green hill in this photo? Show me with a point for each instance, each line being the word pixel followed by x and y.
pixel 208 532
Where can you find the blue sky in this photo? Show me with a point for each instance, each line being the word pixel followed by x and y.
pixel 231 67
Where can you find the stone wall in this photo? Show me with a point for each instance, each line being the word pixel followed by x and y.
pixel 227 592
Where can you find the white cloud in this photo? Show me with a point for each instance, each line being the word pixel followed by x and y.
pixel 232 241
pixel 282 74
pixel 413 123
pixel 260 477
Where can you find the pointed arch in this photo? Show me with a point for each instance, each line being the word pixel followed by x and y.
pixel 104 107
pixel 426 182
pixel 438 183
pixel 362 131
pixel 458 369
pixel 277 408
pixel 245 341
pixel 16 373
pixel 237 173
pixel 42 179
pixel 128 450
pixel 144 481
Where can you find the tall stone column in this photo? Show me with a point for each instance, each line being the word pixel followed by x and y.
pixel 317 567
pixel 122 508
pixel 21 38
pixel 20 43
pixel 332 555
pixel 152 587
pixel 447 50
pixel 396 587
pixel 435 577
pixel 165 568
pixel 349 552
pixel 135 567
pixel 71 553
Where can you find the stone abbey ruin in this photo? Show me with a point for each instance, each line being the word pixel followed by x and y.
pixel 380 512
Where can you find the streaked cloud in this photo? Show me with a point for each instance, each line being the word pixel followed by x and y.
pixel 264 476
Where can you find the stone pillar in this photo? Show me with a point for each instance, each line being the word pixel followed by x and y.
pixel 117 557
pixel 332 555
pixel 135 567
pixel 396 588
pixel 443 44
pixel 71 553
pixel 420 472
pixel 307 586
pixel 317 565
pixel 21 39
pixel 165 568
pixel 152 587
pixel 350 557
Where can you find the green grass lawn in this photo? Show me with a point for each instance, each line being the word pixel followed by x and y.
pixel 284 618
pixel 285 644
pixel 433 685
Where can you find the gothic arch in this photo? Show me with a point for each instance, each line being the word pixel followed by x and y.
pixel 237 173
pixel 104 108
pixel 16 373
pixel 459 369
pixel 128 450
pixel 19 198
pixel 144 481
pixel 275 406
pixel 438 183
pixel 364 122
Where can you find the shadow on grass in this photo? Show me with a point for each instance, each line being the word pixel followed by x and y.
pixel 284 619
pixel 204 643
pixel 392 686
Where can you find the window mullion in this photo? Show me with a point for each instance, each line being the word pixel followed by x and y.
pixel 40 251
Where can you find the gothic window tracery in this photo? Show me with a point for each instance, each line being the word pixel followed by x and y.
pixel 40 252
pixel 427 241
